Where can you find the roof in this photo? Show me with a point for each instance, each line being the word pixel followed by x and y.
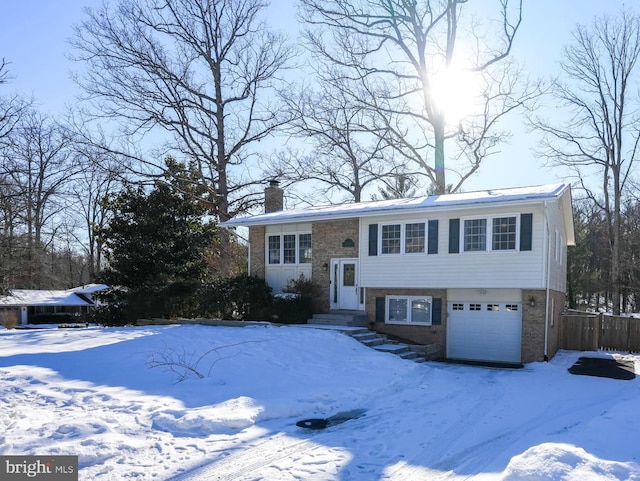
pixel 445 201
pixel 40 297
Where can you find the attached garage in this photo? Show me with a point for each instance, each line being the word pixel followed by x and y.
pixel 484 331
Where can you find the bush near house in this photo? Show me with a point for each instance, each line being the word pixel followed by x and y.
pixel 240 297
pixel 9 319
pixel 295 306
pixel 291 308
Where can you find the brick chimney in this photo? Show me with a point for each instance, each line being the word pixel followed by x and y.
pixel 273 197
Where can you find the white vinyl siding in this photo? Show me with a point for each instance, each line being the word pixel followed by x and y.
pixel 556 247
pixel 490 269
pixel 288 254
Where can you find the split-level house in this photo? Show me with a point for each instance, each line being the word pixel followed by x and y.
pixel 481 274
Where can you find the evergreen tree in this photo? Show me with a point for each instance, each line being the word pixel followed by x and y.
pixel 156 245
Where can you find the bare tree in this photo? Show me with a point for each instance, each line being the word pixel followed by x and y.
pixel 401 51
pixel 11 106
pixel 4 71
pixel 602 129
pixel 101 175
pixel 201 70
pixel 347 155
pixel 37 158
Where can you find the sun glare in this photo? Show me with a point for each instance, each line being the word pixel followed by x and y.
pixel 455 90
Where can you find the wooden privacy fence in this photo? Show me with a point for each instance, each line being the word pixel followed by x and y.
pixel 581 331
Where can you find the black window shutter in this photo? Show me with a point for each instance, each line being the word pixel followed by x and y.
pixel 373 239
pixel 436 311
pixel 526 231
pixel 380 308
pixel 454 236
pixel 433 237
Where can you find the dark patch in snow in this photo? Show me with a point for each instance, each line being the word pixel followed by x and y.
pixel 604 367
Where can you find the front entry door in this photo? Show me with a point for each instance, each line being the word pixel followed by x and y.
pixel 344 284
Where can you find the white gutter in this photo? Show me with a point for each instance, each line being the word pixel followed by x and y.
pixel 546 311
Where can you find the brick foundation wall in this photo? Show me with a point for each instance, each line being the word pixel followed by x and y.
pixel 416 334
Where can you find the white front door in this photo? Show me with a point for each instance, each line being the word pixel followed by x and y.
pixel 344 284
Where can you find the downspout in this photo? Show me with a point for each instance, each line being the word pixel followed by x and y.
pixel 546 309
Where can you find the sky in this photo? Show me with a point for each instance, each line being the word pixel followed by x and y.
pixel 34 36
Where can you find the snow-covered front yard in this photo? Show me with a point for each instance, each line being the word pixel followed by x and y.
pixel 92 393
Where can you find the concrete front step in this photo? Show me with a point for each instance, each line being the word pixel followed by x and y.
pixel 375 342
pixel 372 339
pixel 392 348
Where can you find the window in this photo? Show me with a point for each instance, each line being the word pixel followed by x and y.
pixel 483 234
pixel 493 307
pixel 289 249
pixel 504 233
pixel 274 249
pixel 408 310
pixel 391 239
pixel 304 248
pixel 406 238
pixel 511 307
pixel 457 306
pixel 475 235
pixel 475 307
pixel 414 238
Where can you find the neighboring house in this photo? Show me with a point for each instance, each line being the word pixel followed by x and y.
pixel 31 306
pixel 482 274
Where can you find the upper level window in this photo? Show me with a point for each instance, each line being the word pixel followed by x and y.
pixel 289 249
pixel 498 233
pixel 405 238
pixel 475 235
pixel 274 249
pixel 503 235
pixel 414 239
pixel 391 239
pixel 304 248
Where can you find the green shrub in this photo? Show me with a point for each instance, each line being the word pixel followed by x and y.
pixel 105 315
pixel 240 297
pixel 291 308
pixel 302 286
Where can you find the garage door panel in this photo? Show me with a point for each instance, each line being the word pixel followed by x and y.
pixel 484 331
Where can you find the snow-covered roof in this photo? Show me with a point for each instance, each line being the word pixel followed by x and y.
pixel 40 297
pixel 89 288
pixel 363 209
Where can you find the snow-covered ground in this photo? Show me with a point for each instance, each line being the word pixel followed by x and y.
pixel 93 393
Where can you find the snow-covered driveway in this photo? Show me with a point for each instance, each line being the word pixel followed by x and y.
pixel 92 393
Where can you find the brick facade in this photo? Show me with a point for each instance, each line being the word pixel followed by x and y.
pixel 417 334
pixel 257 250
pixel 533 324
pixel 328 239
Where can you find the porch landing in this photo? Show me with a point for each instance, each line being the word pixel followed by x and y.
pixel 341 318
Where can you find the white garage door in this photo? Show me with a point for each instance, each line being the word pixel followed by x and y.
pixel 484 331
